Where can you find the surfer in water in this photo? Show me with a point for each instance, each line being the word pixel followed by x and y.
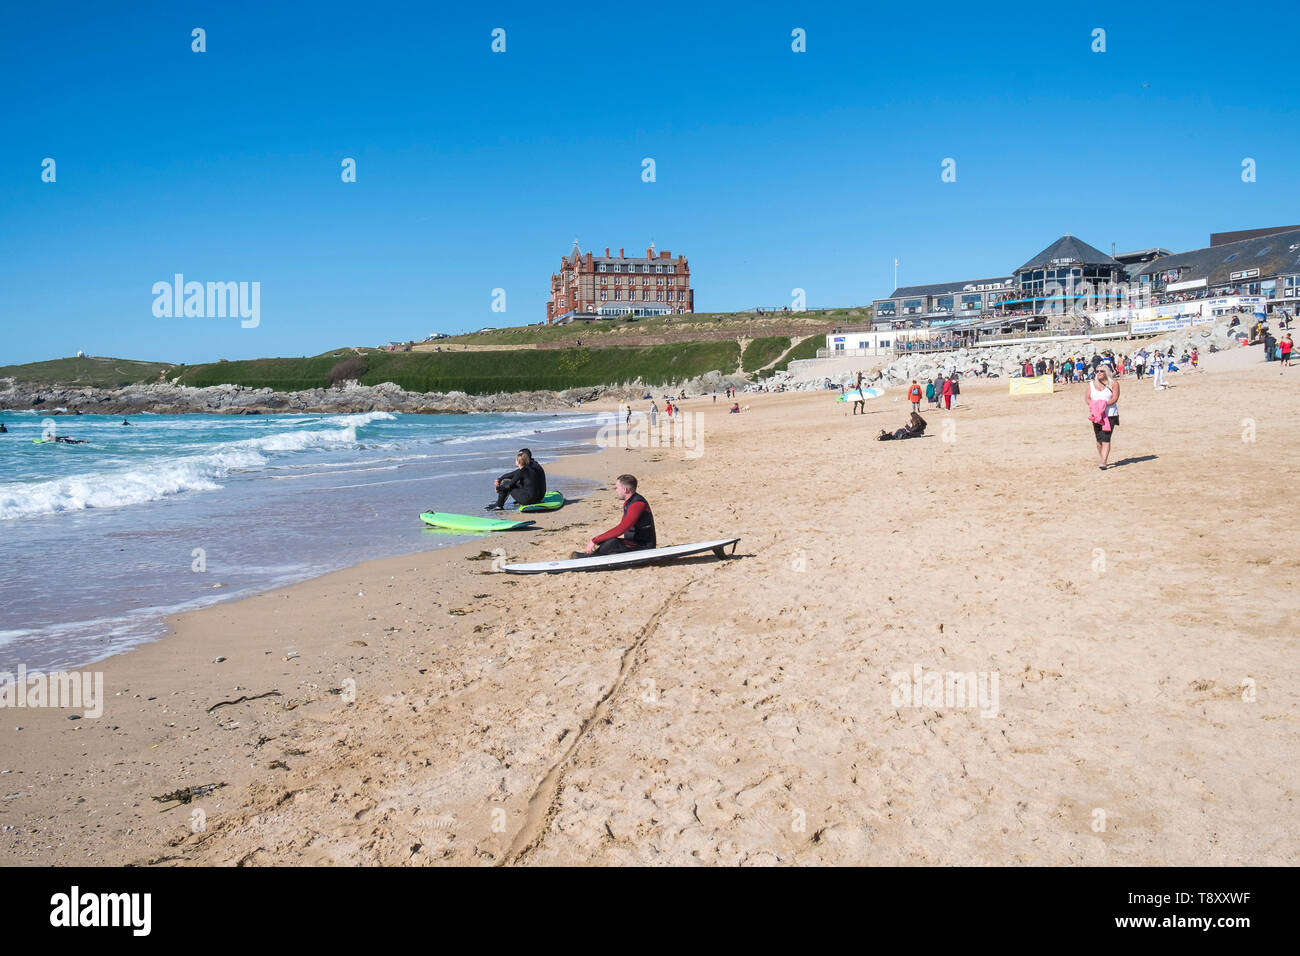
pixel 125 422
pixel 2 428
pixel 635 532
pixel 526 484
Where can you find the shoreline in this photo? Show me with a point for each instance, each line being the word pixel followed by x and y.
pixel 687 713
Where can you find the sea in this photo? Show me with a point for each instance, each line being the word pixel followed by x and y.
pixel 100 541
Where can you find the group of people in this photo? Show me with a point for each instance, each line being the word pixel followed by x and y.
pixel 939 392
pixel 527 486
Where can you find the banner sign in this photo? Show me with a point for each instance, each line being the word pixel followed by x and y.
pixel 1164 325
pixel 1038 385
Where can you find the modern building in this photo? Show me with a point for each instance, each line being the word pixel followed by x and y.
pixel 1267 266
pixel 1066 271
pixel 600 287
pixel 940 301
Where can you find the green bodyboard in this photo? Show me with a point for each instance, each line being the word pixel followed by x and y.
pixel 551 501
pixel 471 523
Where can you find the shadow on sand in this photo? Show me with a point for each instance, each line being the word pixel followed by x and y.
pixel 1132 461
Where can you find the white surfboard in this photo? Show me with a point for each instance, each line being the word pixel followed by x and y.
pixel 601 562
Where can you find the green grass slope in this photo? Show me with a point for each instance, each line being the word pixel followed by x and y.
pixel 96 371
pixel 760 351
pixel 481 373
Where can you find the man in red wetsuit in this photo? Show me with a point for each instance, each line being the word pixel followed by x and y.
pixel 637 529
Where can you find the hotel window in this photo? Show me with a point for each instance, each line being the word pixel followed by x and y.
pixel 659 296
pixel 645 280
pixel 604 280
pixel 911 306
pixel 602 267
pixel 645 295
pixel 618 294
pixel 604 296
pixel 969 302
pixel 679 295
pixel 945 303
pixel 659 281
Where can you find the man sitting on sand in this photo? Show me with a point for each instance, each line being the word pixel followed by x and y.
pixel 526 484
pixel 635 532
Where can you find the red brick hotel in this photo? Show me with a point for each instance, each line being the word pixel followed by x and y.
pixel 601 287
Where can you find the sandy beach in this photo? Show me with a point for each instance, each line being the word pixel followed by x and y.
pixel 1140 624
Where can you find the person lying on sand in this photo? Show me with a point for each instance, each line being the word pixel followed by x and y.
pixel 526 484
pixel 914 428
pixel 635 532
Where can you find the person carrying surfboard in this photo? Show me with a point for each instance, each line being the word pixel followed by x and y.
pixel 634 532
pixel 526 484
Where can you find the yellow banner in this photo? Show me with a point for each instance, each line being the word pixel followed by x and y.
pixel 1038 385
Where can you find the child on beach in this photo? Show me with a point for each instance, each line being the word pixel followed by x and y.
pixel 914 396
pixel 929 394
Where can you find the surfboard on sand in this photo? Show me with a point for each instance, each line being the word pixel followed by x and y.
pixel 471 523
pixel 551 501
pixel 628 558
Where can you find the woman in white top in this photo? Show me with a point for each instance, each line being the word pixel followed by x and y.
pixel 1104 387
pixel 1158 372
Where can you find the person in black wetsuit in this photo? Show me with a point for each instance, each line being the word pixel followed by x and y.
pixel 634 533
pixel 2 428
pixel 526 484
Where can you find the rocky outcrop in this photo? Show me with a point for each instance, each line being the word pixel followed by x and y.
pixel 163 398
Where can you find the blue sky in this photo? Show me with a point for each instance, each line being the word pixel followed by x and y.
pixel 775 170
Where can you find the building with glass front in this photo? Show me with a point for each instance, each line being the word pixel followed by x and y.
pixel 1058 277
pixel 939 303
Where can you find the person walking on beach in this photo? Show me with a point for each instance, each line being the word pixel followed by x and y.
pixel 1103 412
pixel 947 393
pixel 635 532
pixel 1196 356
pixel 1286 345
pixel 955 380
pixel 526 484
pixel 929 395
pixel 654 415
pixel 1139 363
pixel 1158 371
pixel 914 396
